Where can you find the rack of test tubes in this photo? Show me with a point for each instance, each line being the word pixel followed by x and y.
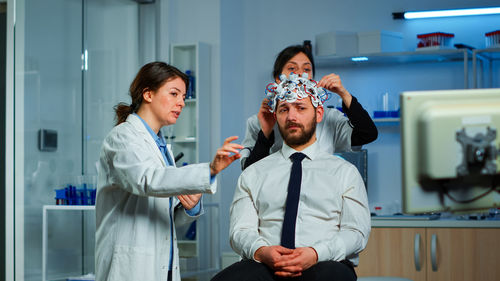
pixel 71 195
pixel 439 40
pixel 492 39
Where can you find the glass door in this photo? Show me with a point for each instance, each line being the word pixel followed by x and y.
pixel 74 60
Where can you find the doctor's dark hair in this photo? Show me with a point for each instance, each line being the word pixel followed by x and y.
pixel 150 77
pixel 288 53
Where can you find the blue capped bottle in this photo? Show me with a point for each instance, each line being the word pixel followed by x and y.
pixel 190 93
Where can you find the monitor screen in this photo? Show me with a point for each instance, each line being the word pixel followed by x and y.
pixel 450 150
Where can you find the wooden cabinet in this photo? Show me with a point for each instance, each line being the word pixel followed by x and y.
pixel 391 252
pixel 432 254
pixel 463 254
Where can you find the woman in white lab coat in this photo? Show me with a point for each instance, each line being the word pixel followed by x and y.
pixel 335 133
pixel 140 191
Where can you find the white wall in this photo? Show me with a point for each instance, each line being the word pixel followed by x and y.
pixel 247 35
pixel 233 95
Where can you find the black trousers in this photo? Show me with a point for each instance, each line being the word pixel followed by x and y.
pixel 250 270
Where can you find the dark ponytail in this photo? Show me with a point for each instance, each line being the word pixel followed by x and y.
pixel 150 77
pixel 122 111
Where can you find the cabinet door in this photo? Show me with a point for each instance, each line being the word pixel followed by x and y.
pixel 463 254
pixel 391 252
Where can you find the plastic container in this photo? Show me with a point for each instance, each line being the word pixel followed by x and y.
pixel 337 103
pixel 336 43
pixel 435 40
pixel 379 41
pixel 190 93
pixel 387 107
pixel 492 39
pixel 385 208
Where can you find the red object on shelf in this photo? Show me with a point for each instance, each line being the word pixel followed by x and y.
pixel 496 32
pixel 492 38
pixel 450 35
pixel 434 39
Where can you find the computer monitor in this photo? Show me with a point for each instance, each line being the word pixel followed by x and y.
pixel 450 150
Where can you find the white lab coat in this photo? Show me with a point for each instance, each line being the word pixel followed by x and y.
pixel 133 222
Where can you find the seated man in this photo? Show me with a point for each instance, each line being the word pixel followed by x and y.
pixel 300 212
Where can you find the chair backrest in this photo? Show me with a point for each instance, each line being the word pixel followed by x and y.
pixel 358 158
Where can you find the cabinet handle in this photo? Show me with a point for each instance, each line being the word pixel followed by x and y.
pixel 433 252
pixel 416 251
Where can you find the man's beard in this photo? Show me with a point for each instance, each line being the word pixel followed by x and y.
pixel 301 139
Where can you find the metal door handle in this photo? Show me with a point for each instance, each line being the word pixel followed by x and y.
pixel 416 252
pixel 433 252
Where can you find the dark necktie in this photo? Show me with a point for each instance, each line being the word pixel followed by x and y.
pixel 163 149
pixel 292 202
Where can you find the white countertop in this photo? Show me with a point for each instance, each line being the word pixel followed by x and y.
pixel 425 221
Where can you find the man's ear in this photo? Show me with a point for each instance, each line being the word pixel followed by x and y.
pixel 147 96
pixel 319 113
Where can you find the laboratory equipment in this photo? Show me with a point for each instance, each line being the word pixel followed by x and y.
pixel 387 108
pixel 295 87
pixel 435 40
pixel 450 148
pixel 71 195
pixel 492 39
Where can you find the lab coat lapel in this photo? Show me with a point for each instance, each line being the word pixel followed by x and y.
pixel 171 155
pixel 139 126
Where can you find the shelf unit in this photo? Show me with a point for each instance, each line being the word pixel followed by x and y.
pixel 191 136
pixel 423 56
pixel 488 55
pixel 45 237
pixel 391 58
pixel 385 120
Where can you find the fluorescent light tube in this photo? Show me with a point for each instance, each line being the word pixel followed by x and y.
pixel 452 13
pixel 359 58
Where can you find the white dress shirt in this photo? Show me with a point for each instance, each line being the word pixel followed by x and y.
pixel 333 134
pixel 333 214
